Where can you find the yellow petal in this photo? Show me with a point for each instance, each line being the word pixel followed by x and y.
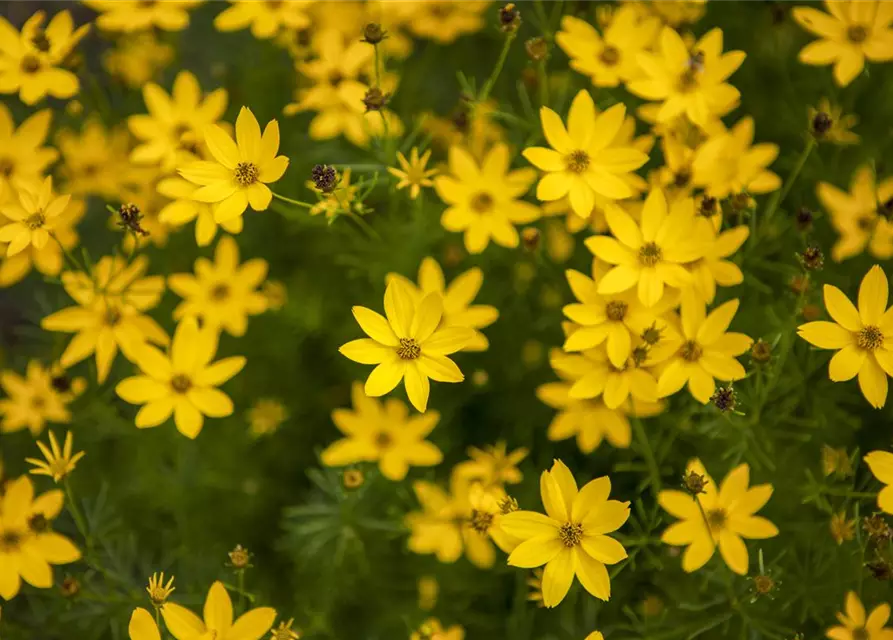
pixel 825 335
pixel 142 626
pixel 873 382
pixel 592 575
pixel 846 363
pixel 881 465
pixel 558 577
pixel 873 296
pixel 733 551
pixel 841 309
pixel 536 552
pixel 253 625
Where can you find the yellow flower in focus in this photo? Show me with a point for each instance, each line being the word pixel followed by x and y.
pixel 182 383
pixel 183 209
pixel 881 465
pixel 570 540
pixel 413 173
pixel 222 293
pixel 483 199
pixel 585 159
pixel 33 217
pixel 138 59
pixel 142 626
pixel 713 269
pixel 690 81
pixel 266 19
pixel 828 123
pixel 445 20
pixel 241 169
pixel 59 462
pixel 33 400
pixel 860 337
pixel 158 591
pixel 492 466
pixel 138 15
pixel 728 163
pixel 593 375
pixel 94 160
pixel 854 625
pixel 218 623
pixel 22 158
pixel 717 518
pixel 457 298
pixel 849 33
pixel 382 432
pixel 28 551
pixel 266 415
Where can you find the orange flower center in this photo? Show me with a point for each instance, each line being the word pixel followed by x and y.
pixel 246 173
pixel 570 534
pixel 857 34
pixel 616 310
pixel 181 383
pixel 409 349
pixel 650 254
pixel 577 161
pixel 869 338
pixel 691 351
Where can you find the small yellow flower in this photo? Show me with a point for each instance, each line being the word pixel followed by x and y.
pixel 594 376
pixel 137 15
pixel 142 626
pixel 34 217
pixel 862 338
pixel 428 590
pixel 445 20
pixel 266 415
pixel 22 158
pixel 881 465
pixel 218 622
pixel 159 591
pixel 492 466
pixel 842 529
pixel 183 209
pixel 432 629
pixel 413 173
pixel 58 463
pixel 854 625
pixel 32 401
pixel 285 632
pixel 266 19
pixel 720 518
pixel 94 160
pixel 828 123
pixel 138 59
pixel 729 163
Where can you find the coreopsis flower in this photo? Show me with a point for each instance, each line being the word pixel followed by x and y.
pixel 30 545
pixel 570 539
pixel 649 253
pixel 58 462
pixel 413 173
pixel 158 591
pixel 284 631
pixel 218 619
pixel 484 198
pixel 266 416
pixel 138 59
pixel 858 336
pixel 222 293
pixel 265 19
pixel 842 529
pixel 484 509
pixel 382 432
pixel 23 159
pixel 492 466
pixel 444 20
pixel 712 268
pixel 173 131
pixel 183 383
pixel 477 130
pixel 860 216
pixel 707 351
pixel 849 33
pixel 130 16
pixel 688 80
pixel 828 123
pixel 584 159
pixel 142 626
pixel 854 625
pixel 594 376
pixel 93 158
pixel 32 401
pixel 728 163
pixel 457 298
pixel 881 465
pixel 611 59
pixel 717 518
pixel 183 209
pixel 33 218
pixel 432 628
pixel 241 169
pixel 676 176
pixel 595 635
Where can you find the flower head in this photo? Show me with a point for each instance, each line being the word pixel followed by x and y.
pixel 58 463
pixel 159 591
pixel 855 625
pixel 729 163
pixel 493 465
pixel 265 19
pixel 218 619
pixel 828 123
pixel 33 217
pixel 285 632
pixel 138 15
pixel 266 415
pixel 413 173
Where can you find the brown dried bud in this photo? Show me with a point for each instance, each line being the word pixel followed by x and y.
pixel 240 557
pixel 764 585
pixel 880 569
pixel 761 351
pixel 877 528
pixel 373 33
pixel 821 124
pixel 530 238
pixel 812 258
pixel 694 483
pixel 375 99
pixel 724 398
pixel 509 18
pixel 70 587
pixel 537 49
pixel 324 177
pixel 129 218
pixel 804 219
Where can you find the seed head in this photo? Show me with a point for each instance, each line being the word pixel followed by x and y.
pixel 509 18
pixel 530 237
pixel 373 33
pixel 724 398
pixel 537 49
pixel 129 217
pixel 324 177
pixel 375 99
pixel 880 569
pixel 239 558
pixel 821 124
pixel 764 585
pixel 694 483
pixel 812 258
pixel 877 529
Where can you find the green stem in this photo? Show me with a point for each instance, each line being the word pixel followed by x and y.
pixel 500 62
pixel 241 572
pixel 778 200
pixel 68 257
pixel 298 203
pixel 653 471
pixel 543 83
pixel 79 520
pixel 377 67
pixel 704 517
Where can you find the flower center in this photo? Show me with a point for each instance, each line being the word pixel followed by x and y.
pixel 383 440
pixel 577 161
pixel 38 523
pixel 570 534
pixel 708 207
pixel 35 220
pixel 610 56
pixel 38 403
pixel 682 178
pixel 6 167
pixel 30 64
pixel 220 292
pixel 246 173
pixel 481 521
pixel 716 519
pixel 112 316
pixel 860 634
pixel 869 338
pixel 691 351
pixel 181 383
pixel 482 202
pixel 650 254
pixel 616 310
pixel 857 33
pixel 409 349
pixel 10 541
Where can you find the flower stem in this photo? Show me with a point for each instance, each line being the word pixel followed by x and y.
pixel 68 257
pixel 297 203
pixel 500 62
pixel 653 471
pixel 79 520
pixel 779 197
pixel 543 83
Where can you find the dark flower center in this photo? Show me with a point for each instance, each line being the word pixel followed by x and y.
pixel 577 161
pixel 716 519
pixel 383 440
pixel 220 292
pixel 610 56
pixel 482 202
pixel 570 534
pixel 246 173
pixel 35 220
pixel 409 349
pixel 30 64
pixel 869 338
pixel 10 540
pixel 616 310
pixel 481 521
pixel 691 351
pixel 181 383
pixel 857 33
pixel 650 254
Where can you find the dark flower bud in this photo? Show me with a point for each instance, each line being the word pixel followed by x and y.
pixel 880 569
pixel 537 49
pixel 373 33
pixel 821 124
pixel 375 99
pixel 694 483
pixel 509 18
pixel 804 219
pixel 324 177
pixel 70 587
pixel 761 351
pixel 812 259
pixel 129 217
pixel 724 398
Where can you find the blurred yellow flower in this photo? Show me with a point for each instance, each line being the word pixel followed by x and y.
pixel 266 415
pixel 593 375
pixel 22 158
pixel 218 622
pixel 475 129
pixel 432 629
pixel 32 401
pixel 58 462
pixel 842 529
pixel 138 15
pixel 828 123
pixel 445 20
pixel 595 635
pixel 881 465
pixel 33 218
pixel 414 172
pixel 138 58
pixel 265 19
pixel 142 626
pixel 94 160
pixel 712 268
pixel 429 589
pixel 492 466
pixel 285 632
pixel 854 625
pixel 183 209
pixel 728 163
pixel 276 294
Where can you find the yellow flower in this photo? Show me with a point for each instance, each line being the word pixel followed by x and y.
pixel 407 345
pixel 414 173
pixel 475 129
pixel 142 626
pixel 713 269
pixel 137 15
pixel 483 199
pixel 881 465
pixel 22 158
pixel 717 518
pixel 159 591
pixel 137 59
pixel 593 375
pixel 241 169
pixel 285 632
pixel 276 294
pixel 223 293
pixel 595 635
pixel 841 528
pixel 585 159
pixel 649 253
pixel 183 210
pixel 852 33
pixel 727 163
pixel 59 463
pixel 486 507
pixel 492 465
pixel 457 298
pixel 382 432
pixel 860 337
pixel 836 461
pixel 266 19
pixel 855 215
pixel 428 591
pixel 266 415
pixel 32 61
pixel 218 623
pixel 32 400
pixel 34 217
pixel 570 540
pixel 183 382
pixel 94 160
pixel 343 200
pixel 855 626
pixel 30 546
pixel 707 351
pixel 690 81
pixel 445 20
pixel 432 629
pixel 839 123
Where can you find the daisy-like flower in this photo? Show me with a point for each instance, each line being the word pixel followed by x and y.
pixel 690 81
pixel 158 591
pixel 413 173
pixel 712 268
pixel 457 298
pixel 183 209
pixel 584 159
pixel 131 16
pixel 707 351
pixel 241 170
pixel 183 383
pixel 58 462
pixel 854 625
pixel 849 33
pixel 382 432
pixel 92 160
pixel 33 217
pixel 266 416
pixel 222 293
pixel 570 540
pixel 266 19
pixel 881 465
pixel 483 199
pixel 33 400
pixel 860 216
pixel 142 626
pixel 863 338
pixel 137 59
pixel 717 518
pixel 828 123
pixel 594 375
pixel 445 20
pixel 22 158
pixel 218 619
pixel 649 253
pixel 407 345
pixel 728 163
pixel 492 466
